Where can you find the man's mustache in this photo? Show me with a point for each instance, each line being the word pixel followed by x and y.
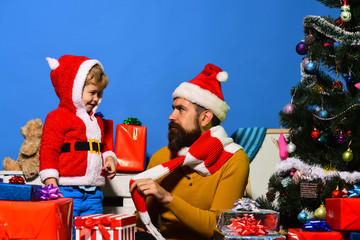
pixel 174 125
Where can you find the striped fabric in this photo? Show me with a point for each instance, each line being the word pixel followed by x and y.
pixel 206 155
pixel 250 139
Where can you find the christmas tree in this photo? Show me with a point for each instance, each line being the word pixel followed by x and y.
pixel 321 154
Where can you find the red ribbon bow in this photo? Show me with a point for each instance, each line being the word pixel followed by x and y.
pixel 17 180
pixel 100 223
pixel 247 226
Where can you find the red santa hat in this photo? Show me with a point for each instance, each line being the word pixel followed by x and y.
pixel 68 77
pixel 205 90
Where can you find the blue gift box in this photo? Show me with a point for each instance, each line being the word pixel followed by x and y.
pixel 20 192
pixel 353 236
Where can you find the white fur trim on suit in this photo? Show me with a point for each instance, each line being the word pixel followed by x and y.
pixel 202 97
pixel 48 173
pixel 79 83
pixel 110 154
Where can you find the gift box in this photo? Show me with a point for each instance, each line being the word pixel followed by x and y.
pixel 20 192
pixel 263 219
pixel 352 235
pixel 343 213
pixel 130 144
pixel 109 133
pixel 42 220
pixel 300 234
pixel 105 226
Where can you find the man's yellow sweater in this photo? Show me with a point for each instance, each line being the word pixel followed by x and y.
pixel 197 201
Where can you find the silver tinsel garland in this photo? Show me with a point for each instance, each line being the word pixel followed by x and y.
pixel 316 171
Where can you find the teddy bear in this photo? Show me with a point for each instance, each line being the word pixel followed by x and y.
pixel 28 157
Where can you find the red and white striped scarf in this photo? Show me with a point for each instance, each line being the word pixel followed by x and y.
pixel 206 155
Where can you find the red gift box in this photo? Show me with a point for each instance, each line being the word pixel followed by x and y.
pixel 109 133
pixel 299 234
pixel 105 226
pixel 343 213
pixel 130 144
pixel 41 220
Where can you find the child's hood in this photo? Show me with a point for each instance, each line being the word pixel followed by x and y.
pixel 68 77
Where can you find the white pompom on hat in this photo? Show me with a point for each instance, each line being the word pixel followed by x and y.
pixel 205 90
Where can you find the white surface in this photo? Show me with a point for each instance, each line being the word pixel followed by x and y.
pixel 118 186
pixel 264 165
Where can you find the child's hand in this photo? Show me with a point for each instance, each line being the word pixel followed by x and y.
pixel 53 181
pixel 110 167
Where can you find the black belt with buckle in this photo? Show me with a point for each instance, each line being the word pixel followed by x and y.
pixel 93 146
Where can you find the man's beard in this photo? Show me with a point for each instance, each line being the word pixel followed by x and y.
pixel 180 138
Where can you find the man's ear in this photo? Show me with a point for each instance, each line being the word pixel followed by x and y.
pixel 205 118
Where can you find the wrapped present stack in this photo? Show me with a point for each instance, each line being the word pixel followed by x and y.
pixel 342 219
pixel 247 221
pixel 33 212
pixel 17 190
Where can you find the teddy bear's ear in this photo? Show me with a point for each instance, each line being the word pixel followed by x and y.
pixel 53 63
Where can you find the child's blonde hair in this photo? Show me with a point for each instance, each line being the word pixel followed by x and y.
pixel 97 77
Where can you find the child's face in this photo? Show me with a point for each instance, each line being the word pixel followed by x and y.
pixel 91 95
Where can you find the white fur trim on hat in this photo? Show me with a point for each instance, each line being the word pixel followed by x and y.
pixel 202 97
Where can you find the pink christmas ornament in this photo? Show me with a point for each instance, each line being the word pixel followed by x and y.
pixel 282 147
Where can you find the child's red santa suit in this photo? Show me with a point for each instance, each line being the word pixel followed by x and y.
pixel 72 148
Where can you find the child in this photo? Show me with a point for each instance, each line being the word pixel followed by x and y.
pixel 73 155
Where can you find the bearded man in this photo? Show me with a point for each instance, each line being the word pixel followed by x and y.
pixel 200 173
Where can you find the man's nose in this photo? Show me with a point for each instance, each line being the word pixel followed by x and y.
pixel 172 116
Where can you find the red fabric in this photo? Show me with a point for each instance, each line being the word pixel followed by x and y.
pixel 42 220
pixel 174 163
pixel 343 213
pixel 63 77
pixel 130 145
pixel 71 123
pixel 299 234
pixel 207 80
pixel 139 201
pixel 108 134
pixel 62 126
pixel 211 150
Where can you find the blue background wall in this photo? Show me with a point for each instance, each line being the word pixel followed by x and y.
pixel 148 48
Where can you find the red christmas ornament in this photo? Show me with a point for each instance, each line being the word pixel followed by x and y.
pixel 336 194
pixel 316 134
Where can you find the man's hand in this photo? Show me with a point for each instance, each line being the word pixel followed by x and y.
pixel 147 187
pixel 110 167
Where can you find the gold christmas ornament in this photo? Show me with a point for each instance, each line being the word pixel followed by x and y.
pixel 320 212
